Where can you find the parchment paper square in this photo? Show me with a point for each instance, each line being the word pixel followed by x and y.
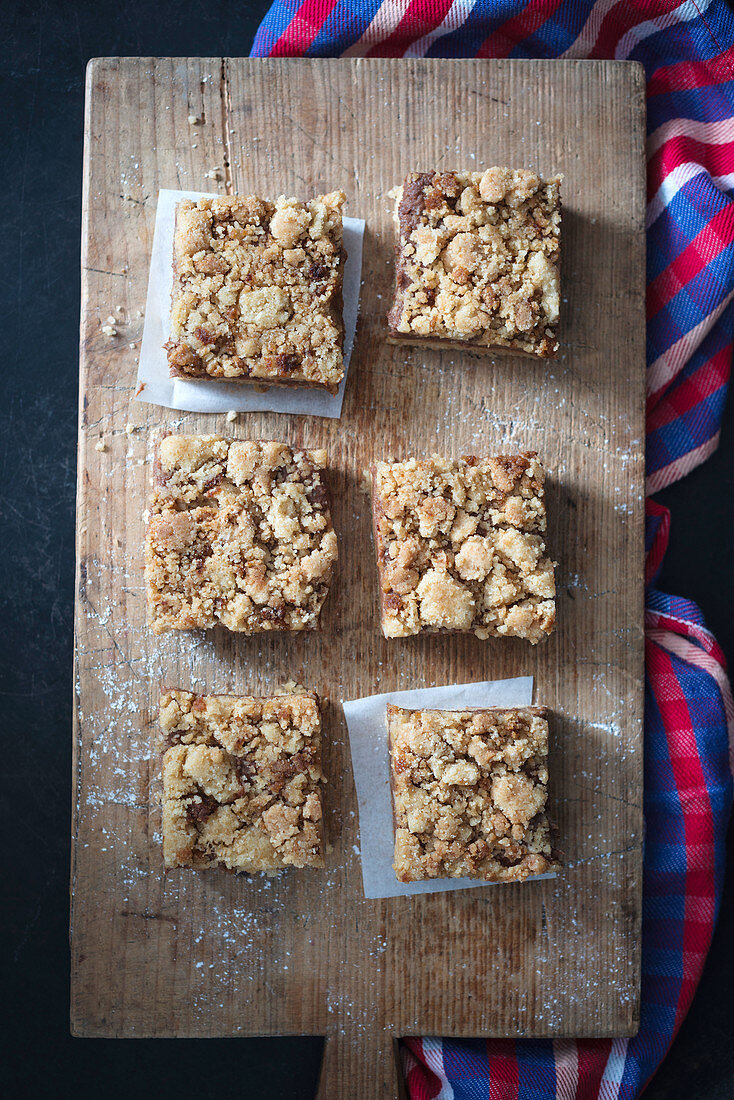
pixel 219 397
pixel 367 725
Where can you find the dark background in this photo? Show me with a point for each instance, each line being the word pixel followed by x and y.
pixel 45 49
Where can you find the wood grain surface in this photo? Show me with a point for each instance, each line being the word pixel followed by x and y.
pixel 184 954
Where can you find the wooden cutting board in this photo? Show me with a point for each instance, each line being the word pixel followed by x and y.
pixel 210 954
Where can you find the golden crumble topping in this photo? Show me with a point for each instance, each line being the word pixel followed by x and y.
pixel 478 261
pixel 241 781
pixel 257 290
pixel 239 534
pixel 460 546
pixel 469 793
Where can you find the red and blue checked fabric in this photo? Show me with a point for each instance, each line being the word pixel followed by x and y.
pixel 687 50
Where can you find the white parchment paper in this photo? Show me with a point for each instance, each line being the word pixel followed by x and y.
pixel 367 725
pixel 219 397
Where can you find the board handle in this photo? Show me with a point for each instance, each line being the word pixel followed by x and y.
pixel 361 1066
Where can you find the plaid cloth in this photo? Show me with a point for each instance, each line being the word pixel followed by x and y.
pixel 688 54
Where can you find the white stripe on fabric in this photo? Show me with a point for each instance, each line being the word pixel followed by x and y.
pixel 682 14
pixel 673 182
pixel 667 365
pixel 709 133
pixel 691 653
pixel 670 186
pixel 433 1054
pixel 666 475
pixel 724 183
pixel 566 1057
pixel 695 631
pixel 384 21
pixel 613 1071
pixel 590 30
pixel 457 14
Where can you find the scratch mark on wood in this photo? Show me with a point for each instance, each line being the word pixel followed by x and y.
pixel 224 94
pixel 102 271
pixel 149 916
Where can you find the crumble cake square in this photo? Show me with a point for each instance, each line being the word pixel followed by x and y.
pixel 257 290
pixel 469 793
pixel 241 781
pixel 460 546
pixel 239 534
pixel 477 261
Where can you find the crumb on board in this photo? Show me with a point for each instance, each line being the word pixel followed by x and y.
pixel 100 445
pixel 129 428
pixel 132 346
pixel 231 415
pixel 214 174
pixel 291 687
pixel 109 330
pixel 194 120
pixel 140 389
